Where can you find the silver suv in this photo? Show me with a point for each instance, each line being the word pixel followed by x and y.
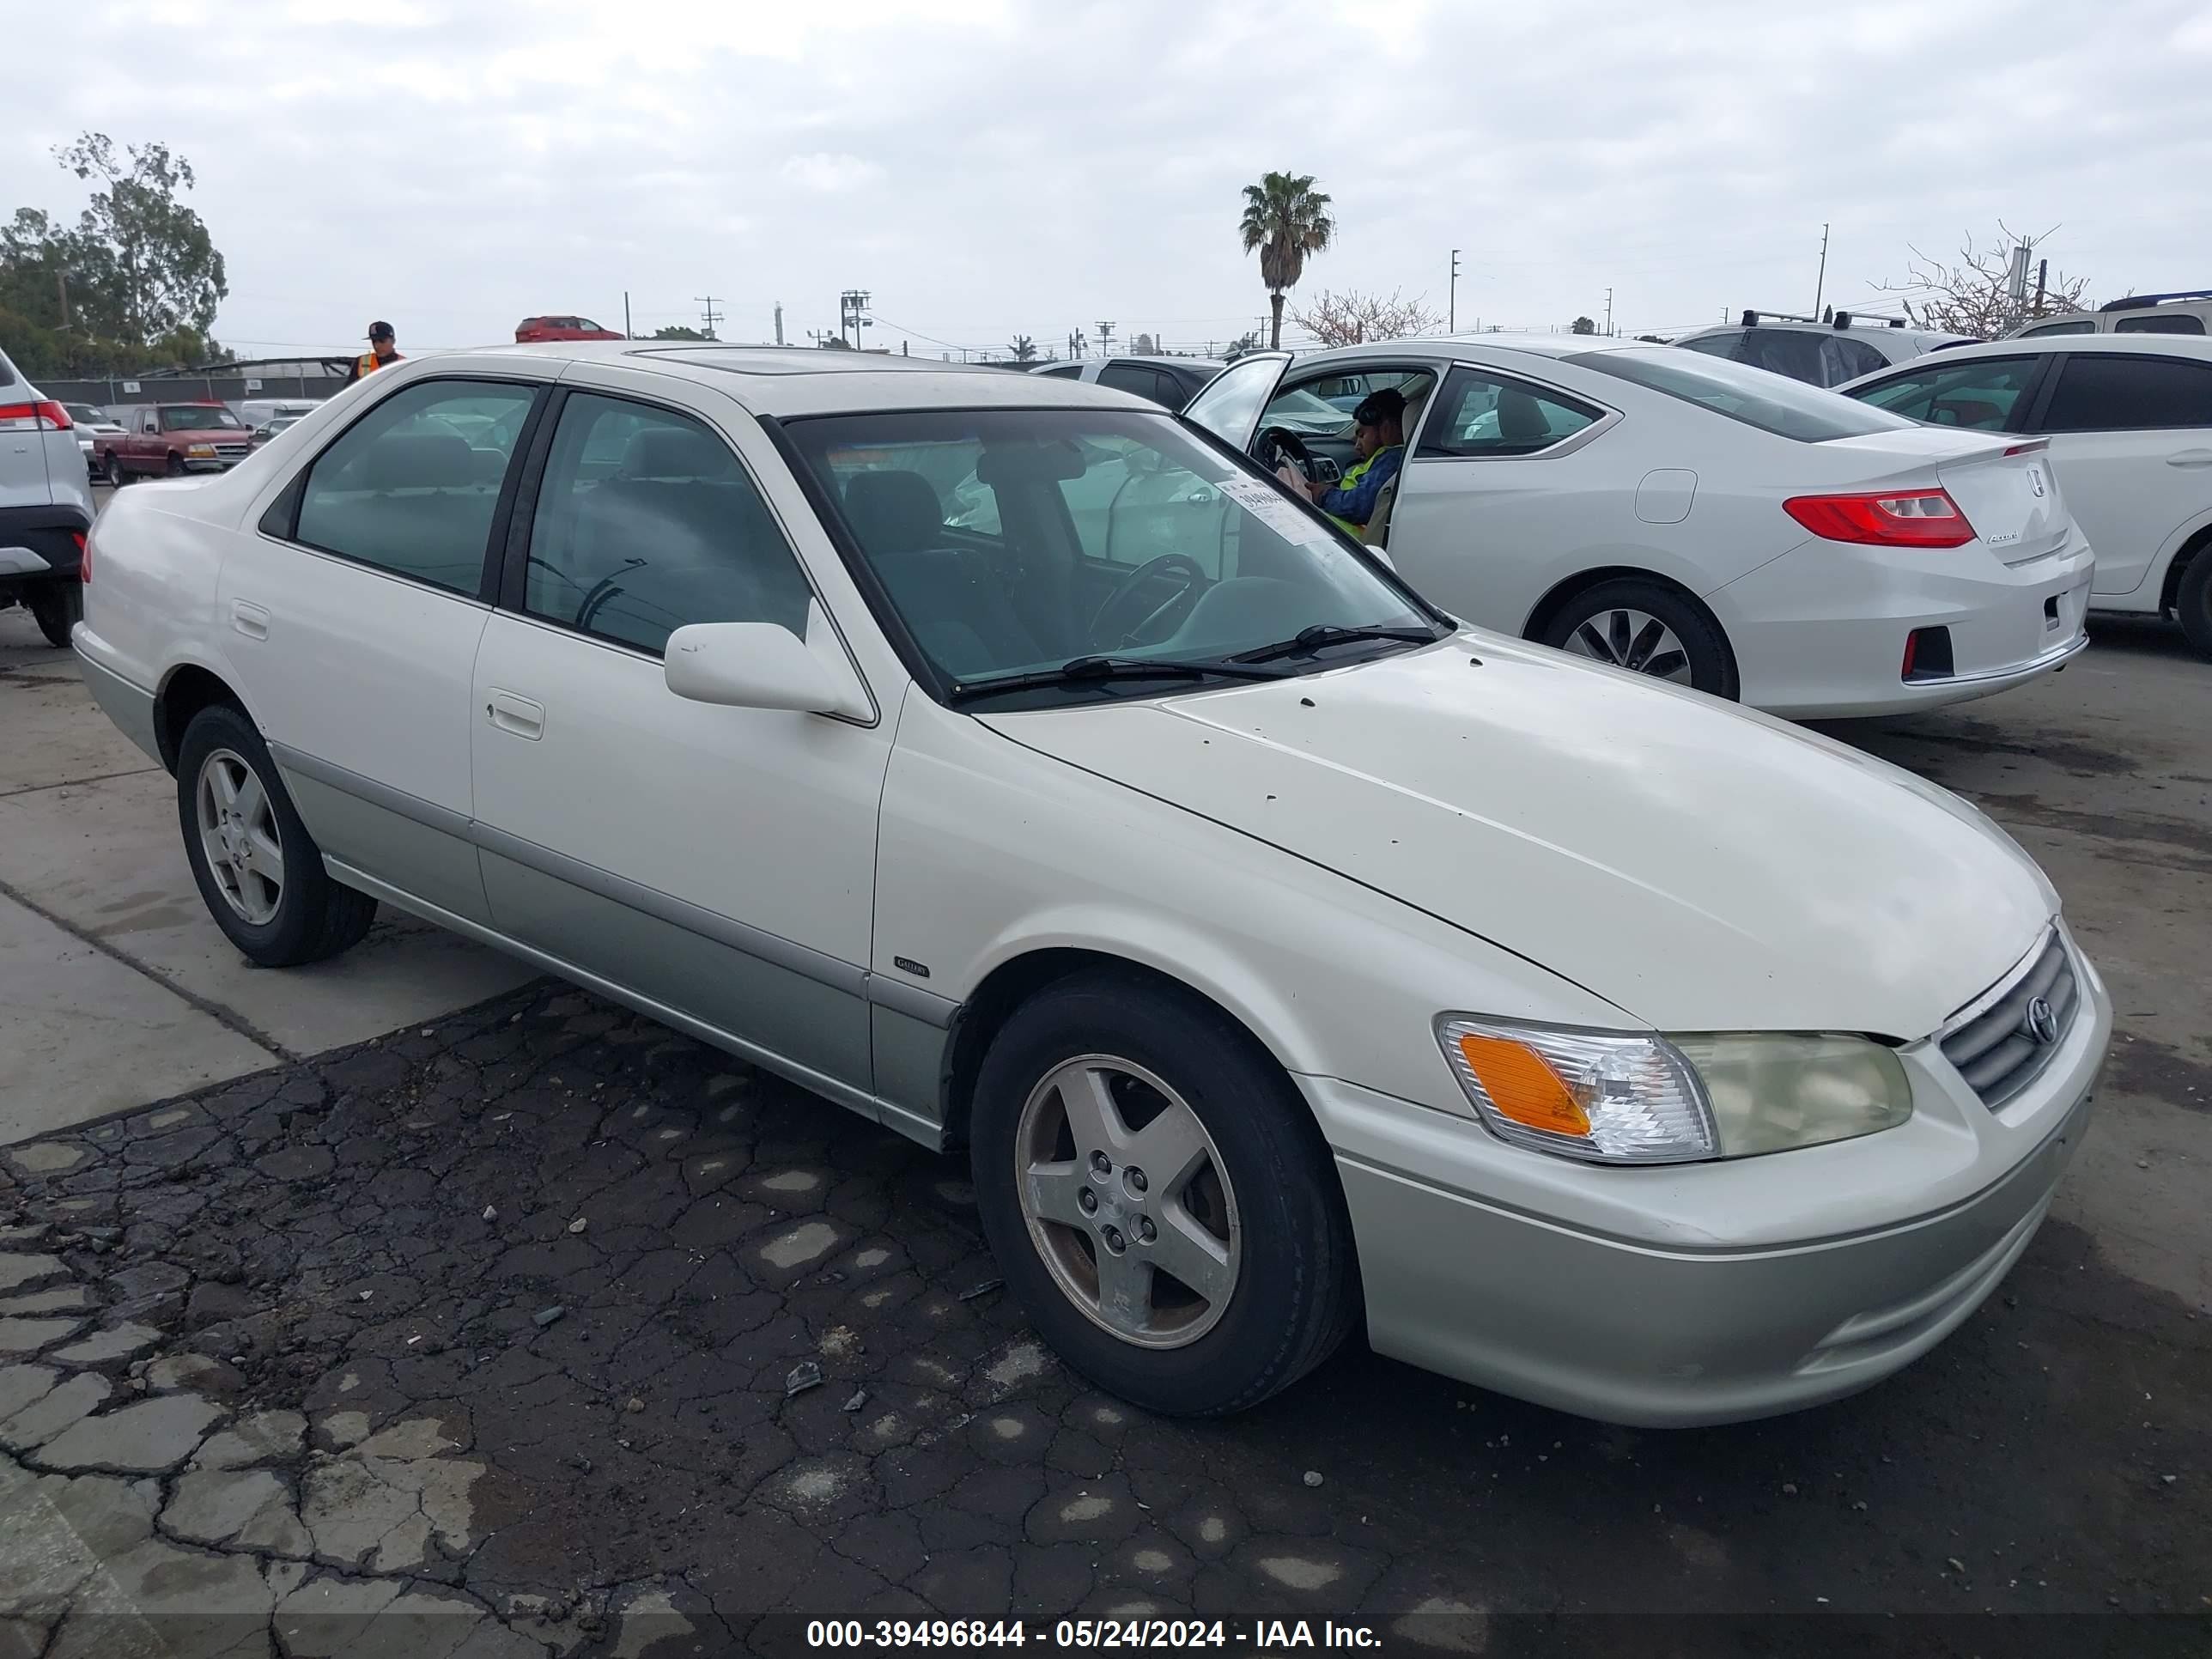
pixel 2189 311
pixel 45 507
pixel 1819 351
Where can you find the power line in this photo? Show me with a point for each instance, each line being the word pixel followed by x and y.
pixel 710 314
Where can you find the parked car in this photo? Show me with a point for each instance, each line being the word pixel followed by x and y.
pixel 171 440
pixel 2186 313
pixel 46 505
pixel 1279 952
pixel 1171 382
pixel 257 412
pixel 1699 520
pixel 90 422
pixel 270 427
pixel 1819 352
pixel 2128 420
pixel 532 330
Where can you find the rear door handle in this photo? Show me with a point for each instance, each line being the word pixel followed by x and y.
pixel 516 715
pixel 249 619
pixel 2190 457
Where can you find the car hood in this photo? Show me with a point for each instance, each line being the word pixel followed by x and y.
pixel 1700 866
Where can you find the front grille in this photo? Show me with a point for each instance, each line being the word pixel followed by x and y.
pixel 232 452
pixel 2001 1044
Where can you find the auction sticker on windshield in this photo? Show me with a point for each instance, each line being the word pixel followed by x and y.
pixel 1280 515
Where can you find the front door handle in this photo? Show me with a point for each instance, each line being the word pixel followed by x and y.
pixel 2190 457
pixel 518 716
pixel 249 619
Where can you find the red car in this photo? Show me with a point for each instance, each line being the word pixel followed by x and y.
pixel 531 329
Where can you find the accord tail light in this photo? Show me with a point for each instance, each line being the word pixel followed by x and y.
pixel 1915 518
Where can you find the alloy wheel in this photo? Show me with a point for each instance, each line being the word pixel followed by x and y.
pixel 1126 1200
pixel 1634 639
pixel 240 835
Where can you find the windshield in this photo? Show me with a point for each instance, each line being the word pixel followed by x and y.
pixel 195 418
pixel 84 413
pixel 1771 402
pixel 1012 543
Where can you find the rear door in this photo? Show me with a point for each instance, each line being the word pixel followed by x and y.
pixel 2131 442
pixel 353 613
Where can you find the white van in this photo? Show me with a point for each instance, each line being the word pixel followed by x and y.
pixel 259 411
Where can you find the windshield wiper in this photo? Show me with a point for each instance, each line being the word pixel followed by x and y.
pixel 1307 641
pixel 1085 670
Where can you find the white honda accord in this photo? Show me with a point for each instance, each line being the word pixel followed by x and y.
pixel 1281 953
pixel 1695 519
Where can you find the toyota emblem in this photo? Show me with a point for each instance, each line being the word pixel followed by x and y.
pixel 2041 1021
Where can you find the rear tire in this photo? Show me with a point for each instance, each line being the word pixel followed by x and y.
pixel 1614 622
pixel 1256 1176
pixel 300 915
pixel 57 608
pixel 2192 601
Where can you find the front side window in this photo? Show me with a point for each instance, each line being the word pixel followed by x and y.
pixel 646 522
pixel 198 418
pixel 1487 414
pixel 2128 394
pixel 408 489
pixel 1786 408
pixel 1980 393
pixel 2160 322
pixel 1229 405
pixel 1075 534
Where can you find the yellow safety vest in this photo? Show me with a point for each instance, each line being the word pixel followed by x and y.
pixel 370 362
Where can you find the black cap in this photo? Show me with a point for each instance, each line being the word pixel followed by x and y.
pixel 1376 407
pixel 380 331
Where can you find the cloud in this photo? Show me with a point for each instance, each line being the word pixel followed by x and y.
pixel 830 174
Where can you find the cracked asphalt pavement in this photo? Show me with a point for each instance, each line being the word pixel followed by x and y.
pixel 543 1329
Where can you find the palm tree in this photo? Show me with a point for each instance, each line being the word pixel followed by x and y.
pixel 1286 218
pixel 1024 348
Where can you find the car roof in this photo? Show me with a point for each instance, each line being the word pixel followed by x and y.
pixel 1469 347
pixel 1860 329
pixel 2151 345
pixel 796 380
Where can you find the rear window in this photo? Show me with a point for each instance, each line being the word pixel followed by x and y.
pixel 1787 408
pixel 2160 322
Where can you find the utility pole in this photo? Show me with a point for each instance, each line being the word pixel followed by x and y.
pixel 779 322
pixel 1821 286
pixel 852 312
pixel 1451 306
pixel 1105 339
pixel 626 333
pixel 2042 276
pixel 710 314
pixel 1608 313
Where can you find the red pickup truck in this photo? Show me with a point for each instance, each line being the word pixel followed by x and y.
pixel 171 440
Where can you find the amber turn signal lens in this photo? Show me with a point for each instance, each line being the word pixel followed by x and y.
pixel 1521 1086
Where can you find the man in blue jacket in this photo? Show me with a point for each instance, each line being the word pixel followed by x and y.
pixel 1378 439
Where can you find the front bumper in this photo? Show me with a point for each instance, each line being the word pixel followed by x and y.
pixel 1820 632
pixel 1701 1293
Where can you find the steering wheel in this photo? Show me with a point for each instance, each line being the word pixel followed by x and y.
pixel 1277 445
pixel 1129 591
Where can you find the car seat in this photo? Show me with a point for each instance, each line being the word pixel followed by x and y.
pixel 957 610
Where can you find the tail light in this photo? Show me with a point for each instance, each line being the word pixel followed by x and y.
pixel 1918 517
pixel 83 558
pixel 47 417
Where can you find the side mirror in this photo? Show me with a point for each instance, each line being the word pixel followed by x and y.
pixel 761 665
pixel 1381 558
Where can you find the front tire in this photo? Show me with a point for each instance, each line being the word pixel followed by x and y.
pixel 176 466
pixel 1648 629
pixel 117 478
pixel 1159 1198
pixel 2192 600
pixel 57 608
pixel 259 872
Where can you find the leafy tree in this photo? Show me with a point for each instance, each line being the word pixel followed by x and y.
pixel 1024 349
pixel 159 271
pixel 677 331
pixel 1584 325
pixel 1972 295
pixel 1285 221
pixel 1349 317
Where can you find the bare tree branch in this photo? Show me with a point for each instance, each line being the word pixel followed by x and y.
pixel 1349 317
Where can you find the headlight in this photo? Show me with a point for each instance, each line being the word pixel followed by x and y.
pixel 204 452
pixel 1623 1097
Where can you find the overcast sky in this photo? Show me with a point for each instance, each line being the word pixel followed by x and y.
pixel 990 166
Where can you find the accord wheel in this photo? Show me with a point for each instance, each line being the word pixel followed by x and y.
pixel 1646 629
pixel 1159 1197
pixel 258 870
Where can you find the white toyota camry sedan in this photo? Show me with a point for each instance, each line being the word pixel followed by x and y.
pixel 1281 954
pixel 1698 520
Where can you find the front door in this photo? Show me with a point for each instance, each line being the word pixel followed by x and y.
pixel 718 861
pixel 351 621
pixel 2131 442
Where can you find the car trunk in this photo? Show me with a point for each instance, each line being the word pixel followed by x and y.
pixel 2004 485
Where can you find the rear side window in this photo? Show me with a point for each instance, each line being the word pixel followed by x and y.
pixel 646 521
pixel 1065 372
pixel 1981 393
pixel 2160 322
pixel 1485 414
pixel 2128 394
pixel 1141 379
pixel 2080 326
pixel 1769 401
pixel 411 487
pixel 1842 358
